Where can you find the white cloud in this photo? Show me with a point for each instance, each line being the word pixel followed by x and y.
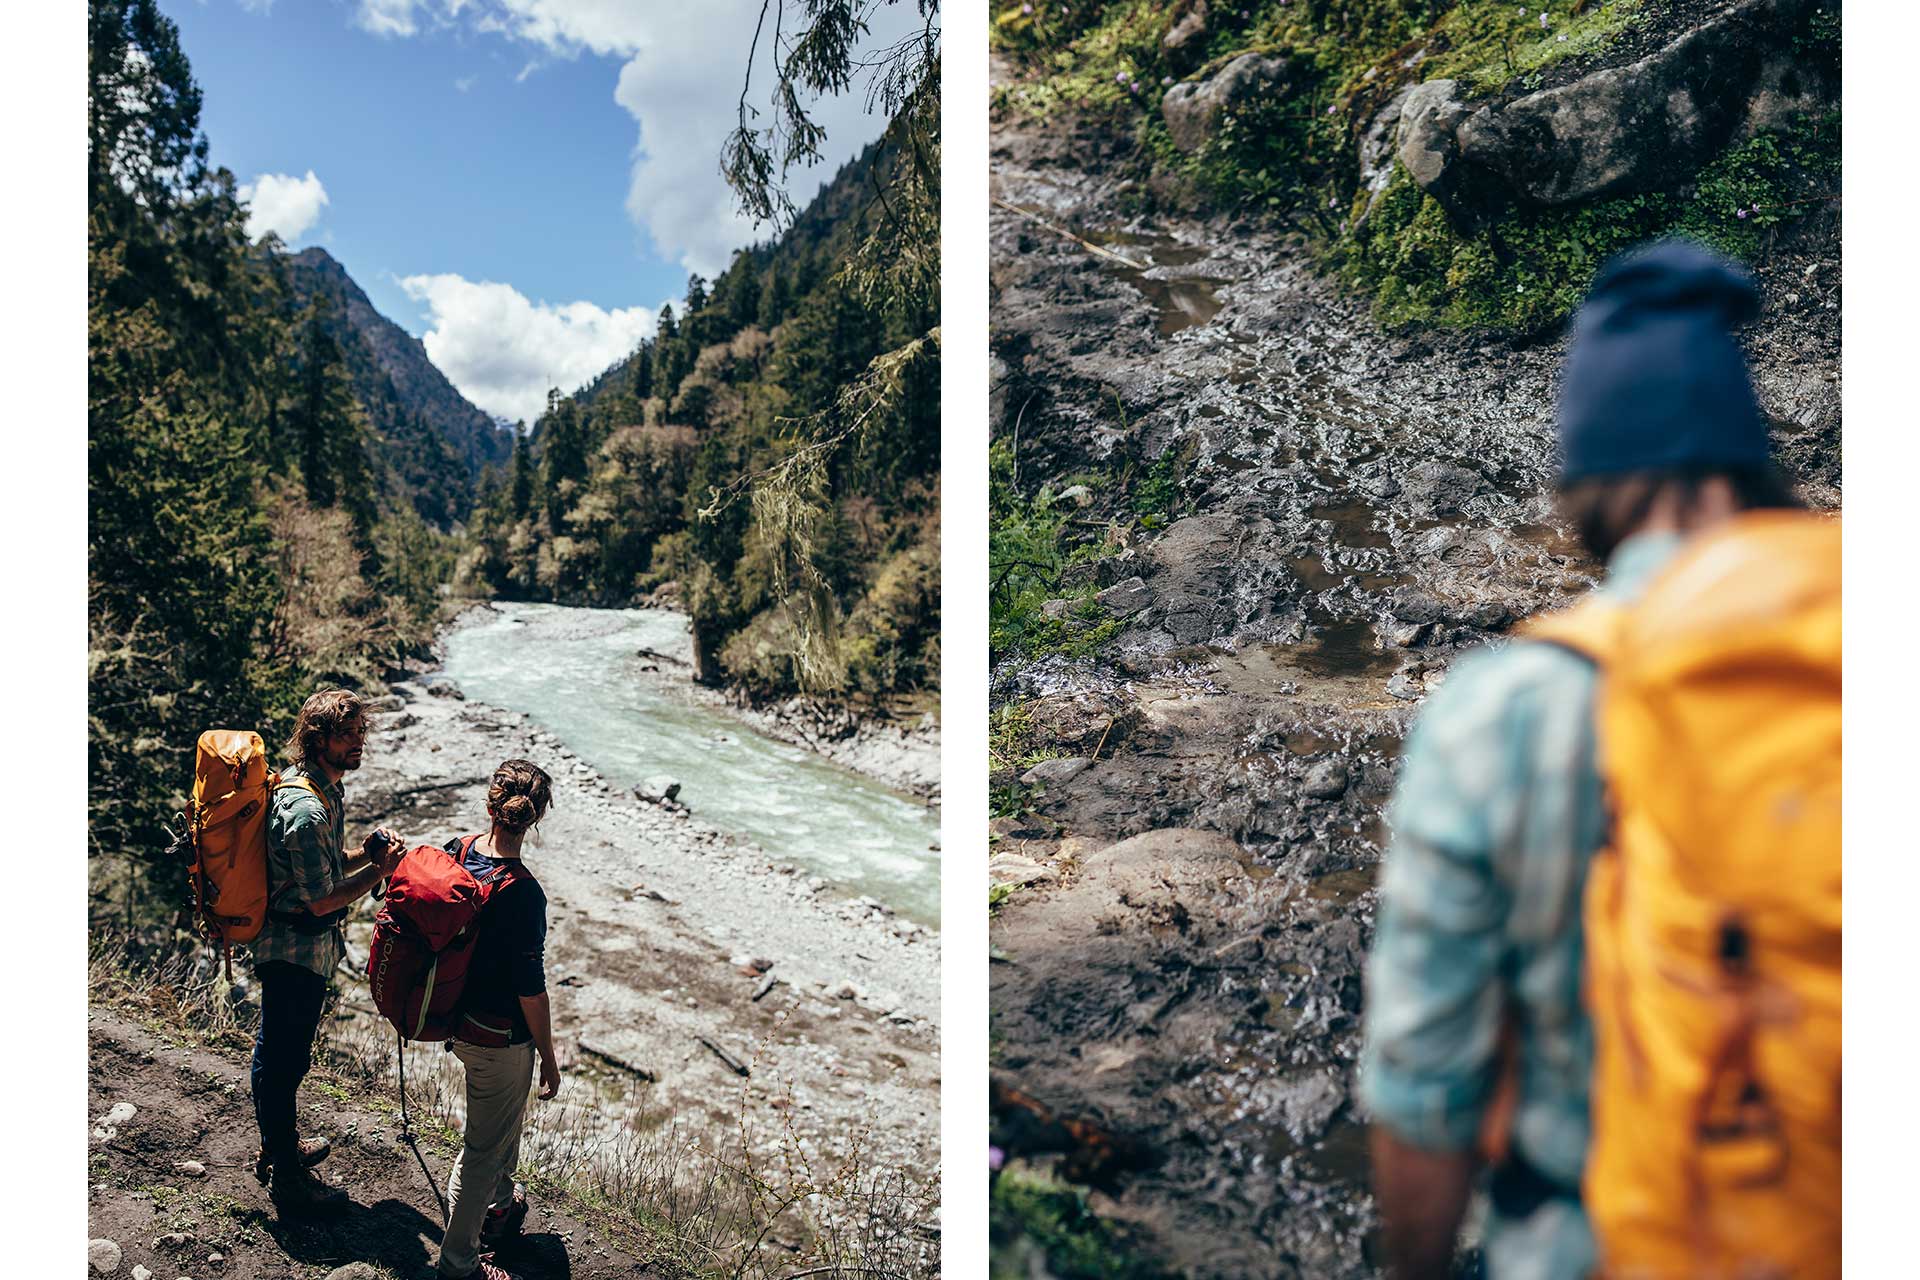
pixel 254 6
pixel 387 17
pixel 465 83
pixel 503 350
pixel 684 64
pixel 284 204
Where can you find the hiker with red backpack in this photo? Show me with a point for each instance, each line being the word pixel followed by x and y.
pixel 1606 970
pixel 313 882
pixel 500 1021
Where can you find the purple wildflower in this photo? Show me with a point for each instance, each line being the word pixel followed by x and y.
pixel 1119 77
pixel 1026 9
pixel 1331 108
pixel 1740 214
pixel 1543 20
pixel 995 1158
pixel 1166 79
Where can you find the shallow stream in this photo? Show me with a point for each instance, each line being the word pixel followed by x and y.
pixel 581 675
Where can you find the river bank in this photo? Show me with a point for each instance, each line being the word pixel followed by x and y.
pixel 680 954
pixel 1194 803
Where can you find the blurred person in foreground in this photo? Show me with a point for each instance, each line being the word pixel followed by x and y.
pixel 1637 799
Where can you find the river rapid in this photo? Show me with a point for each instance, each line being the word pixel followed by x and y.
pixel 588 677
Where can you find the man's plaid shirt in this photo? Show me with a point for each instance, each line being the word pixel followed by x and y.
pixel 1496 814
pixel 306 861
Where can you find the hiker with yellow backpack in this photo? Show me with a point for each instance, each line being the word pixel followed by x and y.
pixel 271 868
pixel 1605 982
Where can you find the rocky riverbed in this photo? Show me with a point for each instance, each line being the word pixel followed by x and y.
pixel 1179 970
pixel 679 954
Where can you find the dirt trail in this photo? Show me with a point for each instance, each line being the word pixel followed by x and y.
pixel 1359 507
pixel 190 1107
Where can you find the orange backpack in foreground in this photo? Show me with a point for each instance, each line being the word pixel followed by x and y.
pixel 227 829
pixel 1713 919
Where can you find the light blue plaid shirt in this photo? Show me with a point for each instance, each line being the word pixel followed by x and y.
pixel 306 861
pixel 1496 813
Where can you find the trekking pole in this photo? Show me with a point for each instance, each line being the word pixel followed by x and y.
pixel 407 1135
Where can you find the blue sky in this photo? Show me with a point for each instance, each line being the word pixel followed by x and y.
pixel 521 183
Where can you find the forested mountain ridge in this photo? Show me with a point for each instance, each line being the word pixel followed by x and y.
pixel 769 459
pixel 434 439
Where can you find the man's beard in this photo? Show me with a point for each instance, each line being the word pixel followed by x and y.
pixel 345 762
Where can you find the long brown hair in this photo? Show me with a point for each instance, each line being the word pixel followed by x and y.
pixel 326 713
pixel 519 795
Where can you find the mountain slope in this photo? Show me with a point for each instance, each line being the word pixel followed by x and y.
pixel 434 439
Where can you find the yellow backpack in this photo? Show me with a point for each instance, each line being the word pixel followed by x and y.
pixel 1713 919
pixel 227 828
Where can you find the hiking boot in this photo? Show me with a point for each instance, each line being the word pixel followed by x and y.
pixel 295 1190
pixel 504 1223
pixel 312 1152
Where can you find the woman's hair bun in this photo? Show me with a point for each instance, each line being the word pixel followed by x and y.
pixel 520 794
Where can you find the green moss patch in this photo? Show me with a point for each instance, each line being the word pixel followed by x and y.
pixel 1055 1217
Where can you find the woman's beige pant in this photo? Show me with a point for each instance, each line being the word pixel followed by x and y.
pixel 497 1084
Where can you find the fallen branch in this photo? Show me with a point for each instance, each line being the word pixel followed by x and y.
pixel 1083 242
pixel 734 1064
pixel 615 1060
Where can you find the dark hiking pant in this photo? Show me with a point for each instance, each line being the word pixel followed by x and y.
pixel 290 999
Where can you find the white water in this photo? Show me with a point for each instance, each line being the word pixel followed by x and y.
pixel 576 672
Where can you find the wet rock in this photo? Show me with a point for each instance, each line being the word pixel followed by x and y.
pixel 1050 772
pixel 1072 720
pixel 1430 116
pixel 405 720
pixel 1187 36
pixel 1308 1102
pixel 1442 488
pixel 1376 149
pixel 1405 635
pixel 1193 110
pixel 1170 875
pixel 1326 780
pixel 1125 599
pixel 103 1255
pixel 657 790
pixel 441 687
pixel 1016 869
pixel 1405 686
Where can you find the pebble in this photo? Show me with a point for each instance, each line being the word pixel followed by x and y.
pixel 121 1113
pixel 192 1168
pixel 356 1271
pixel 103 1256
pixel 141 1273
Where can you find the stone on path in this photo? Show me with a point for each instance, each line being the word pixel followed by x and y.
pixel 103 1256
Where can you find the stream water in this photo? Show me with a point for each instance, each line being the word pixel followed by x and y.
pixel 578 673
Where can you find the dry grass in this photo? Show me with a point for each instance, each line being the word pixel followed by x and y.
pixel 738 1202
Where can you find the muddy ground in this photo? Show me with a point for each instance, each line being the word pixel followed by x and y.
pixel 1358 507
pixel 171 1190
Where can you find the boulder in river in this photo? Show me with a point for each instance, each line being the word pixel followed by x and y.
pixel 658 789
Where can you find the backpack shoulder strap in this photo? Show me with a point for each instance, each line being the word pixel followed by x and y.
pixel 304 783
pixel 1592 629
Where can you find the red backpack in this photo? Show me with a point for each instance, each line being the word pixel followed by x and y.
pixel 423 942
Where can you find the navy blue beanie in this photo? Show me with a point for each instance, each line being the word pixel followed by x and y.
pixel 1654 379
